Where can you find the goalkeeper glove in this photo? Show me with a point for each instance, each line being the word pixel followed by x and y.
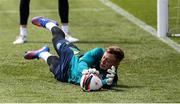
pixel 90 71
pixel 110 76
pixel 112 70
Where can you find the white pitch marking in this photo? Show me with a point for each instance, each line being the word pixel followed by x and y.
pixel 54 10
pixel 141 24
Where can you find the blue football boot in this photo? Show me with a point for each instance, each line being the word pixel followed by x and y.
pixel 35 54
pixel 41 21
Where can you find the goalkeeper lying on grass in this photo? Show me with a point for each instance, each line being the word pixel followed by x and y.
pixel 93 70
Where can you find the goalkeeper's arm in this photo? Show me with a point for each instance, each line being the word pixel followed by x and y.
pixel 111 78
pixel 108 85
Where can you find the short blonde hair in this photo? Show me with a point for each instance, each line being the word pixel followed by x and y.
pixel 116 51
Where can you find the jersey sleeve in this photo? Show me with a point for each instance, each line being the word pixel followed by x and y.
pixel 90 58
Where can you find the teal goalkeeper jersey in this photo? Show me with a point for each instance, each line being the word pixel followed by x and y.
pixel 90 59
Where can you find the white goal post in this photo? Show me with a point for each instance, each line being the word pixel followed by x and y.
pixel 162 18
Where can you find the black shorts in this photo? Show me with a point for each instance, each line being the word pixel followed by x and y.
pixel 65 53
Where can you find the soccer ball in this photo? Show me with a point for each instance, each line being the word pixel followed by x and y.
pixel 90 82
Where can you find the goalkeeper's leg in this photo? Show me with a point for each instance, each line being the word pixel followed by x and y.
pixel 59 36
pixel 63 49
pixel 49 24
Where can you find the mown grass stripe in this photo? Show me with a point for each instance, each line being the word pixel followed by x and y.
pixel 141 24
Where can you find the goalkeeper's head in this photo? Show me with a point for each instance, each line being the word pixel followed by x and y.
pixel 112 57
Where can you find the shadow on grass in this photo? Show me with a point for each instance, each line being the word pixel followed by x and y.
pixel 120 88
pixel 126 86
pixel 90 42
pixel 80 42
pixel 39 42
pixel 98 42
pixel 107 42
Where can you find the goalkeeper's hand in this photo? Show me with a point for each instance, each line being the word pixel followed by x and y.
pixel 90 71
pixel 112 70
pixel 110 75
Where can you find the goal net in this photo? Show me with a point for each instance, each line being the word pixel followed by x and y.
pixel 174 17
pixel 168 18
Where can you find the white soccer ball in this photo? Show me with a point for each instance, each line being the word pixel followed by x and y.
pixel 90 82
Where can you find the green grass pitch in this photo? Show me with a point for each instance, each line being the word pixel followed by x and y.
pixel 146 10
pixel 149 72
